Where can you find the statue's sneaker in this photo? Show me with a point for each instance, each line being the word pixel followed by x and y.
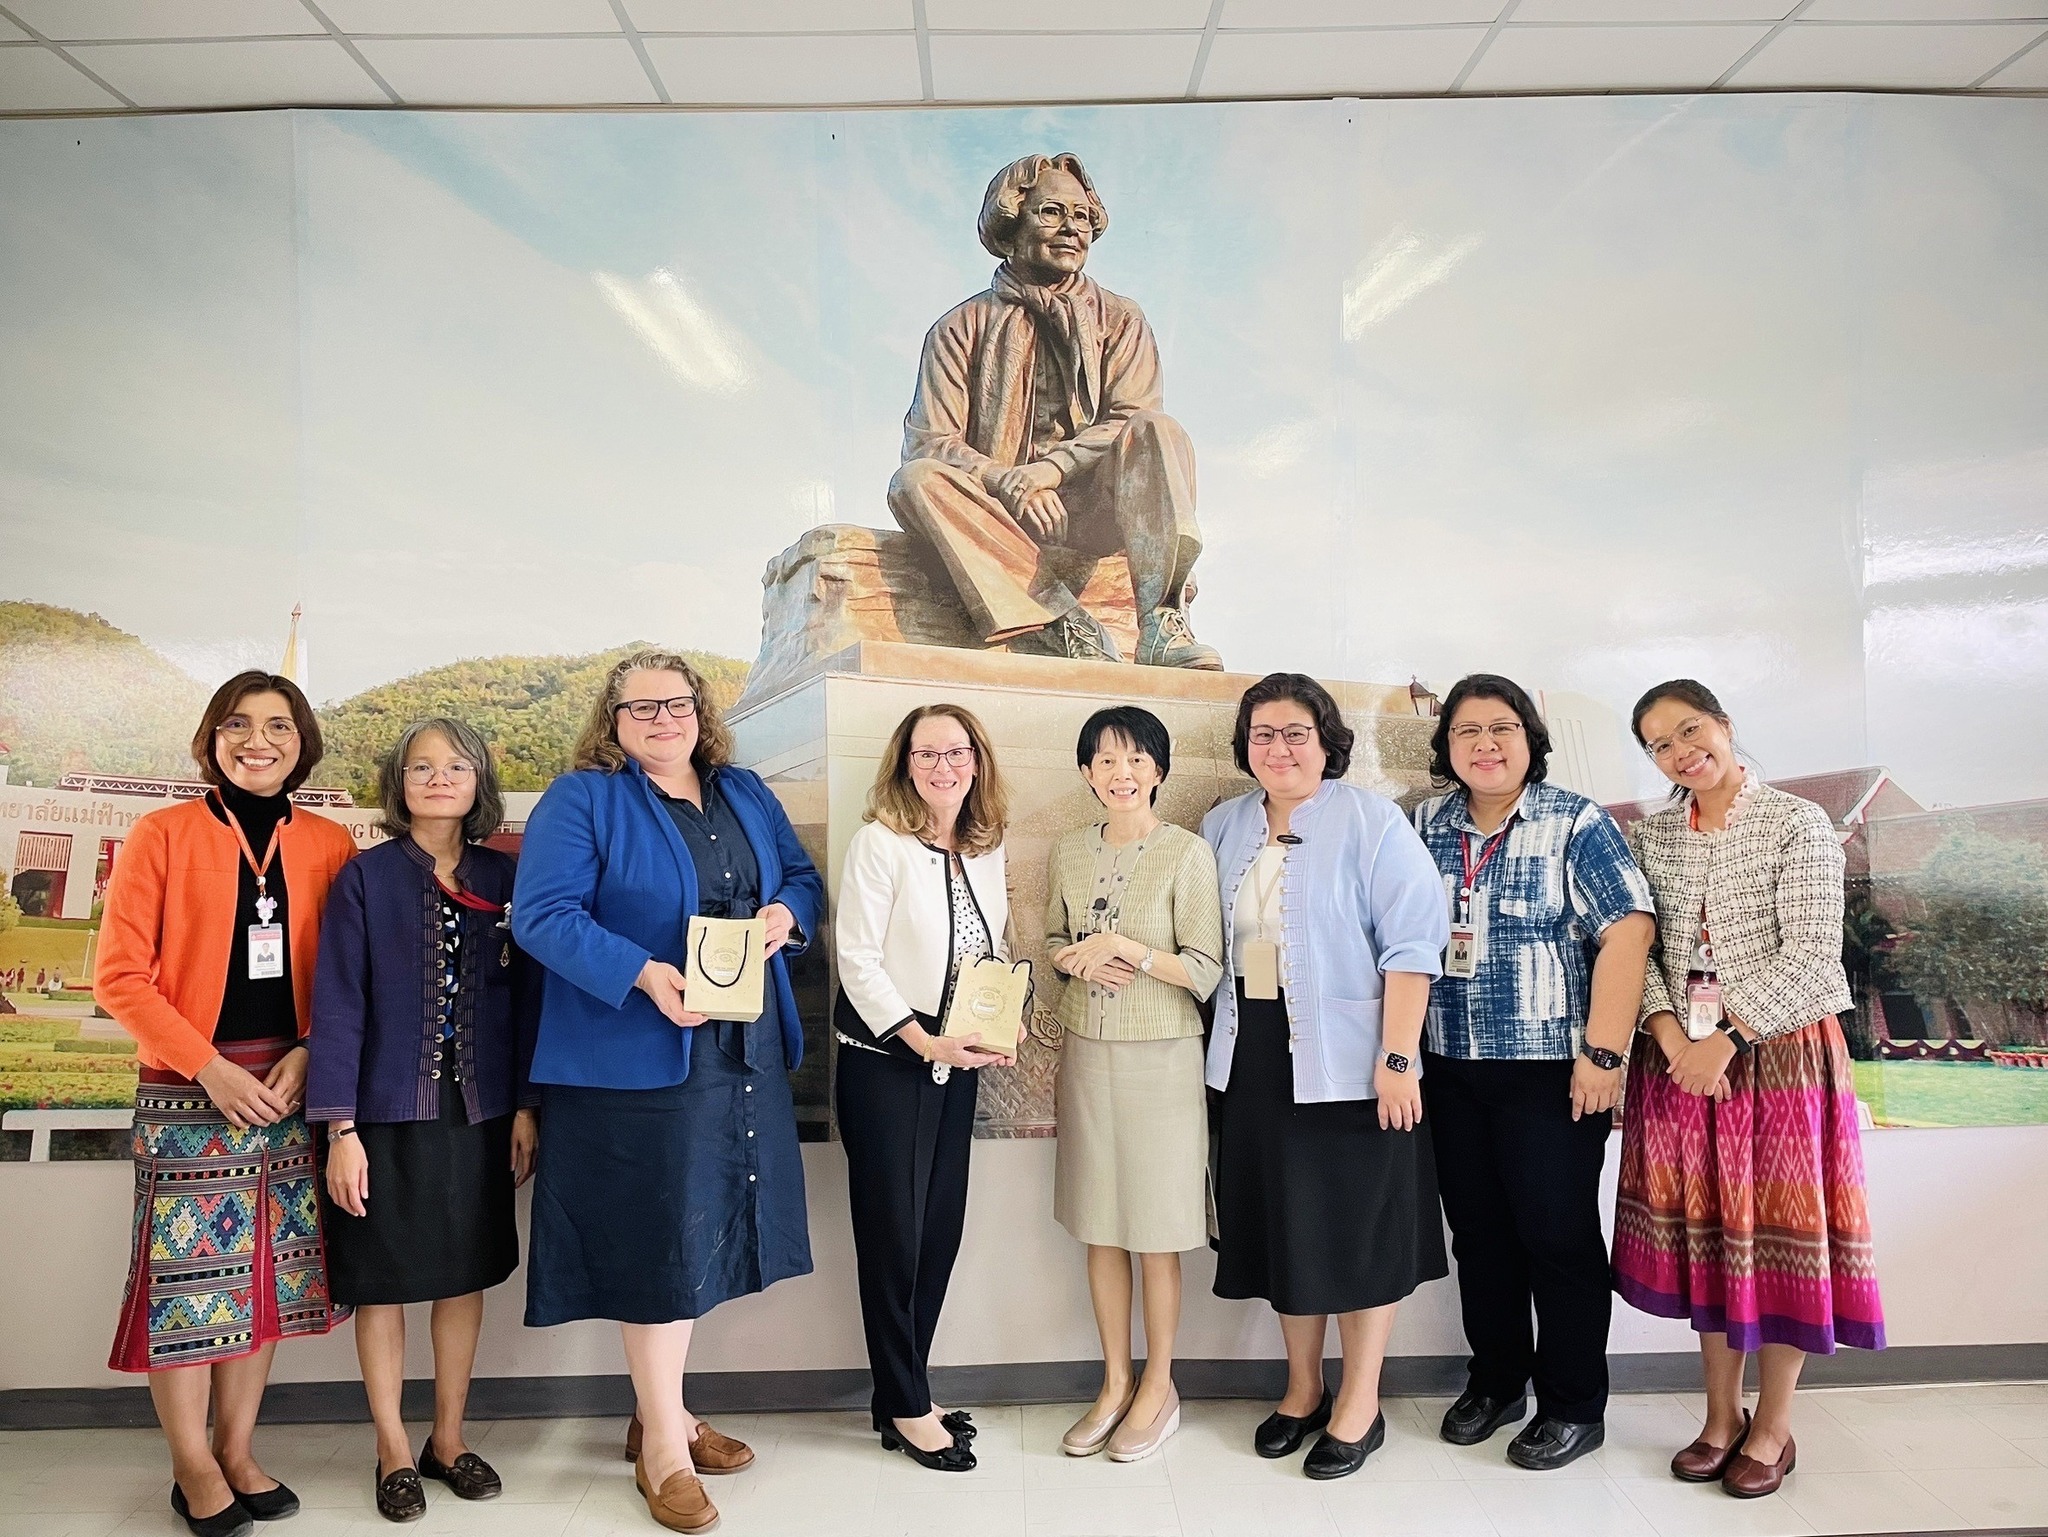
pixel 1164 640
pixel 1077 635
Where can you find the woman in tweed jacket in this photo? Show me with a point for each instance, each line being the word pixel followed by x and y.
pixel 1742 1203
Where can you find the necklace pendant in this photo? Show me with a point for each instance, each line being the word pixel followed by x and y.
pixel 265 907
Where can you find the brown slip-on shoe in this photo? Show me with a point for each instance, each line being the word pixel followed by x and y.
pixel 634 1430
pixel 1748 1479
pixel 1703 1462
pixel 715 1453
pixel 680 1504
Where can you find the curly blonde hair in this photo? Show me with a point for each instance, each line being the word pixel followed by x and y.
pixel 895 803
pixel 598 747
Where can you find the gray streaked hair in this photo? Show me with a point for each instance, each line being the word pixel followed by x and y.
pixel 485 817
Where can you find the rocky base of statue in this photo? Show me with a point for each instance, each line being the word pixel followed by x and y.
pixel 841 584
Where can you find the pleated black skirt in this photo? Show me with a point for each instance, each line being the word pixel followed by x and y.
pixel 1318 1210
pixel 439 1219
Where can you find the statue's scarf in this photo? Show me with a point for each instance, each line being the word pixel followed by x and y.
pixel 1067 316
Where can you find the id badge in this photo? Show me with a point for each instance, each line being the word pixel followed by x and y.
pixel 1703 1011
pixel 266 951
pixel 1261 969
pixel 1461 956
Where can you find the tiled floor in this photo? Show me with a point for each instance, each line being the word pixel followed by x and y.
pixel 1919 1459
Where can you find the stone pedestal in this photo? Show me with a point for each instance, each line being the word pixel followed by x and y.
pixel 818 736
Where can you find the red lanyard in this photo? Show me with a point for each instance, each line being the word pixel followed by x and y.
pixel 1471 870
pixel 264 906
pixel 475 904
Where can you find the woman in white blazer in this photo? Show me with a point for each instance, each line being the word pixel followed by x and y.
pixel 922 896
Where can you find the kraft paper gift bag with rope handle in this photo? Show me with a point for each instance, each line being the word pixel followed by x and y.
pixel 990 1000
pixel 727 968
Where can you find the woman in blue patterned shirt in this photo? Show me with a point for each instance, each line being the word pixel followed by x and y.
pixel 1551 925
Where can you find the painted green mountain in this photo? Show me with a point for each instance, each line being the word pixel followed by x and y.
pixel 77 694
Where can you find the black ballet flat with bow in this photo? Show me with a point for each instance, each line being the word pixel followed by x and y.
pixel 957 1457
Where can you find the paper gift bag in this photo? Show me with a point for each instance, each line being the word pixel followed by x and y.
pixel 989 1001
pixel 727 967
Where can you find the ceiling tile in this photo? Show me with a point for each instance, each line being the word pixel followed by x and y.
pixel 66 21
pixel 409 17
pixel 778 16
pixel 1356 13
pixel 10 33
pixel 1596 11
pixel 2027 73
pixel 1065 15
pixel 510 71
pixel 1337 63
pixel 293 72
pixel 787 70
pixel 1024 67
pixel 34 79
pixel 1929 57
pixel 1611 58
pixel 1926 10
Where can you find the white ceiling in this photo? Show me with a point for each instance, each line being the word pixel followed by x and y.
pixel 119 55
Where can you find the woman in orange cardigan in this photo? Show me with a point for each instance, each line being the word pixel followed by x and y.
pixel 206 958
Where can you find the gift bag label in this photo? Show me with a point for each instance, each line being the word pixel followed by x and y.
pixel 727 967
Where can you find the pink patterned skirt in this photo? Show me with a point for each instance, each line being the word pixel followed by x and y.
pixel 1749 1217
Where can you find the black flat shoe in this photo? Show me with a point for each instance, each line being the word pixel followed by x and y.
pixel 469 1475
pixel 1475 1417
pixel 961 1423
pixel 957 1458
pixel 270 1505
pixel 1281 1435
pixel 1546 1443
pixel 1331 1458
pixel 231 1522
pixel 400 1496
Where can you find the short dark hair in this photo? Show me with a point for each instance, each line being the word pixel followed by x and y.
pixel 483 818
pixel 1490 685
pixel 223 704
pixel 1687 691
pixel 1303 690
pixel 1141 728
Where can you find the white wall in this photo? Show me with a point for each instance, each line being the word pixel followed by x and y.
pixel 1961 1242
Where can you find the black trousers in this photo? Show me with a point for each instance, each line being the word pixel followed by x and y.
pixel 907 1141
pixel 1520 1181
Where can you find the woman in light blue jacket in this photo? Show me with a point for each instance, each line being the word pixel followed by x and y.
pixel 1325 1187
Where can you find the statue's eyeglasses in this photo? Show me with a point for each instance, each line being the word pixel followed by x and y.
pixel 1052 213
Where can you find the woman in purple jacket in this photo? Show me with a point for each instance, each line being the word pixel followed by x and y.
pixel 424 1019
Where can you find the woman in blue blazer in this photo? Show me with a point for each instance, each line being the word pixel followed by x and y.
pixel 669 1177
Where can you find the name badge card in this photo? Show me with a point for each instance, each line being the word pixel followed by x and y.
pixel 1703 1010
pixel 1461 956
pixel 266 951
pixel 1261 969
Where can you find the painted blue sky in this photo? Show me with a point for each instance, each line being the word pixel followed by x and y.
pixel 1589 391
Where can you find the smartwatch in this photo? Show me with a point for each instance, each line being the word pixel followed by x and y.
pixel 1737 1039
pixel 1396 1063
pixel 1607 1061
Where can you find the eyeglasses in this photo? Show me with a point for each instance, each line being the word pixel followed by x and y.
pixel 1686 735
pixel 423 773
pixel 239 728
pixel 1497 731
pixel 1293 736
pixel 643 710
pixel 928 759
pixel 1052 213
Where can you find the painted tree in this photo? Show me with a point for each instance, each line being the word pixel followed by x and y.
pixel 1981 936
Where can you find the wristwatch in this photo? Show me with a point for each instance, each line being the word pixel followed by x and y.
pixel 1607 1061
pixel 1146 964
pixel 1396 1063
pixel 1736 1038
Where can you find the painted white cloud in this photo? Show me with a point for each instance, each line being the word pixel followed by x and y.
pixel 690 341
pixel 1400 267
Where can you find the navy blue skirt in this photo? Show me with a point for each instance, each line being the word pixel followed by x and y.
pixel 653 1205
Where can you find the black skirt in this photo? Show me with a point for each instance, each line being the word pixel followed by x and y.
pixel 439 1220
pixel 655 1205
pixel 1318 1210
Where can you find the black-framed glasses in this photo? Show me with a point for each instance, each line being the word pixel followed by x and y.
pixel 682 707
pixel 1293 736
pixel 927 758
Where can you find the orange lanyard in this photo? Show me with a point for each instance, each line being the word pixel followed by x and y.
pixel 266 905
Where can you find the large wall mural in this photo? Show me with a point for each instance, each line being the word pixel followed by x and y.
pixel 445 410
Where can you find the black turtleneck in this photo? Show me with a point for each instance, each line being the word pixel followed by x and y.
pixel 265 1010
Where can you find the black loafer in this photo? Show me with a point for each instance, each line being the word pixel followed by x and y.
pixel 1474 1417
pixel 1331 1458
pixel 270 1505
pixel 231 1522
pixel 400 1496
pixel 469 1475
pixel 1281 1435
pixel 1546 1443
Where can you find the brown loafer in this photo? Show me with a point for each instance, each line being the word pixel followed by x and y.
pixel 1703 1462
pixel 634 1430
pixel 680 1504
pixel 714 1453
pixel 1748 1479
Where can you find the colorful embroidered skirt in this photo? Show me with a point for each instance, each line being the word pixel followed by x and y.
pixel 227 1253
pixel 1749 1216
